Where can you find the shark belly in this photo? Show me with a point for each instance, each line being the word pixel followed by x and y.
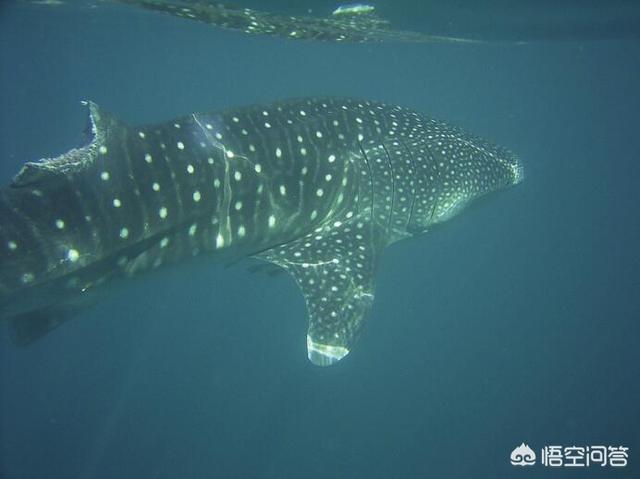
pixel 318 187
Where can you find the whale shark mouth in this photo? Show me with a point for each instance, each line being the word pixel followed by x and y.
pixel 324 354
pixel 518 172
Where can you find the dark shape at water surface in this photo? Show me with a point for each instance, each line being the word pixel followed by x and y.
pixel 356 23
pixel 318 187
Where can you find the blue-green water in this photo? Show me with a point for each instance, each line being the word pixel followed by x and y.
pixel 517 321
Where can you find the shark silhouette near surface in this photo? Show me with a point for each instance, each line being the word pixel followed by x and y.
pixel 353 23
pixel 317 186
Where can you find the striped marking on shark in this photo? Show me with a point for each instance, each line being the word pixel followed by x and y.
pixel 317 186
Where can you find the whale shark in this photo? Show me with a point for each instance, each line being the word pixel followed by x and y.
pixel 318 187
pixel 350 23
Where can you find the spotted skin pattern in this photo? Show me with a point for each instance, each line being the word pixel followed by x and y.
pixel 316 186
pixel 354 24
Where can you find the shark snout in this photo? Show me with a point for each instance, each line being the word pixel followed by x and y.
pixel 517 170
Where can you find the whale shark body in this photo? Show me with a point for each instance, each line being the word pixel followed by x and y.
pixel 352 23
pixel 318 187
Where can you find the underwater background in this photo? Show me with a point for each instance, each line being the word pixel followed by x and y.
pixel 519 321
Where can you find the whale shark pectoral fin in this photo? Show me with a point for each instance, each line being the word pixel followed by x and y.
pixel 29 327
pixel 335 269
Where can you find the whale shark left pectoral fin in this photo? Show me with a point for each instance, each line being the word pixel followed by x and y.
pixel 334 266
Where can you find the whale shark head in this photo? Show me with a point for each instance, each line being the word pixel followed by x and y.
pixel 469 175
